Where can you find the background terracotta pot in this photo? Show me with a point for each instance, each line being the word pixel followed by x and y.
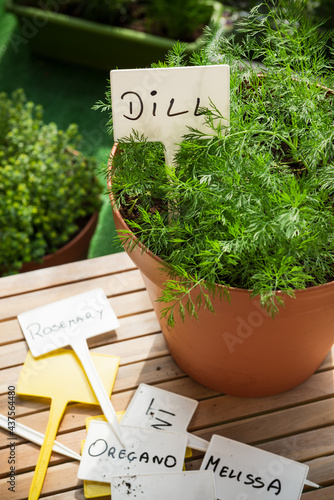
pixel 75 249
pixel 239 349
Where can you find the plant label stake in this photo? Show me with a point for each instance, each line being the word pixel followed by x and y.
pixel 70 322
pixel 37 437
pixel 146 451
pixel 93 489
pixel 158 409
pixel 191 485
pixel 243 471
pixel 59 376
pixel 162 103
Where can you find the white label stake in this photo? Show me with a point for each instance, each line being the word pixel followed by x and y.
pixel 243 471
pixel 36 437
pixel 162 103
pixel 158 409
pixel 155 408
pixel 70 322
pixel 146 451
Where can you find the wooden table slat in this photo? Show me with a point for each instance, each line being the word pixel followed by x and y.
pixel 66 273
pixel 113 286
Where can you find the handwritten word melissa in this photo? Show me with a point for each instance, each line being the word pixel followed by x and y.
pixel 240 476
pixel 136 99
pixel 100 447
pixel 37 330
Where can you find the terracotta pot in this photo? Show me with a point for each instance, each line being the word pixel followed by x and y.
pixel 75 249
pixel 239 349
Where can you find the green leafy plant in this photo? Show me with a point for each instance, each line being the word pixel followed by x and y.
pixel 182 19
pixel 252 205
pixel 47 188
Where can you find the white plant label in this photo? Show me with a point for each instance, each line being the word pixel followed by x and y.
pixel 71 321
pixel 56 324
pixel 248 473
pixel 192 485
pixel 158 409
pixel 162 103
pixel 145 451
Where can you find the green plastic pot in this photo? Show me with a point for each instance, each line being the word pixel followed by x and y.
pixel 93 44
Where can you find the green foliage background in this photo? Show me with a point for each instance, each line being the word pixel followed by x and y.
pixel 46 186
pixel 178 19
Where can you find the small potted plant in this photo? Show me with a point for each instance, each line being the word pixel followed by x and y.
pixel 236 243
pixel 109 34
pixel 49 193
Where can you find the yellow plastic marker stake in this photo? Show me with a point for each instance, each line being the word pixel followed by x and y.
pixel 59 376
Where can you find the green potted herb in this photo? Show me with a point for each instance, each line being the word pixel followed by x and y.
pixel 236 243
pixel 107 34
pixel 49 193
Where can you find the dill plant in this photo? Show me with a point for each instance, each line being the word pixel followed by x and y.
pixel 250 206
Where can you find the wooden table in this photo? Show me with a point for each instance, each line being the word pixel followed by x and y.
pixel 298 424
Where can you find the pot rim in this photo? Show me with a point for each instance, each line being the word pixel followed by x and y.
pixel 158 259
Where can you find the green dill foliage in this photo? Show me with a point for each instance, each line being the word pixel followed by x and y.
pixel 46 186
pixel 252 205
